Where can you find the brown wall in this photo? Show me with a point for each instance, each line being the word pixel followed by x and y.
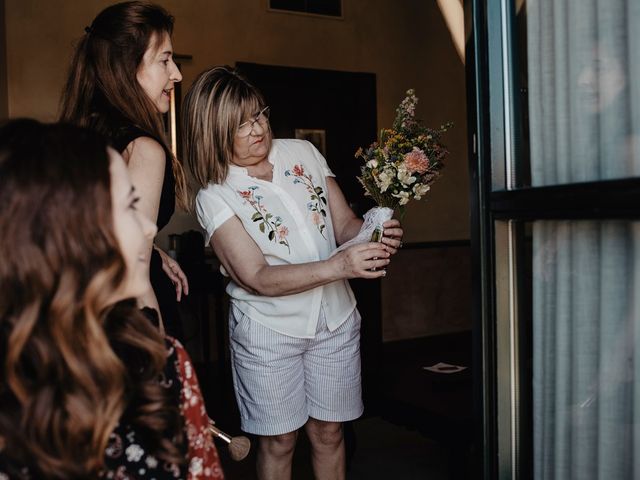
pixel 406 44
pixel 4 104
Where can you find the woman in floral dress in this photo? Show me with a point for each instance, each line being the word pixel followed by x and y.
pixel 88 386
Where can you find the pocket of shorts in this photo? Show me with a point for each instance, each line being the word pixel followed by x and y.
pixel 236 327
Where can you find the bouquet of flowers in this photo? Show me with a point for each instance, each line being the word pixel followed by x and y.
pixel 401 166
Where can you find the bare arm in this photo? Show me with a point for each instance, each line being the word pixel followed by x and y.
pixel 146 161
pixel 245 263
pixel 346 224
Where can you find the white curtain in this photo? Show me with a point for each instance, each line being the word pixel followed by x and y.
pixel 584 89
pixel 584 110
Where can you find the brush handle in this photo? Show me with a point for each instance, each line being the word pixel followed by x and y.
pixel 220 434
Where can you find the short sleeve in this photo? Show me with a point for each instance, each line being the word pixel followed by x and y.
pixel 212 212
pixel 321 161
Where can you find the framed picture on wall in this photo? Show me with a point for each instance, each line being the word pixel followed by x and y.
pixel 315 136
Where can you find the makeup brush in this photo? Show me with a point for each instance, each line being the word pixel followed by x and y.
pixel 238 446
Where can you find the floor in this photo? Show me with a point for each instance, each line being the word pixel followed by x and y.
pixel 418 428
pixel 384 451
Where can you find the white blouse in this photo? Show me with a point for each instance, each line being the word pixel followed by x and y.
pixel 290 220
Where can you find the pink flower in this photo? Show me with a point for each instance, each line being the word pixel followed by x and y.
pixel 245 194
pixel 416 161
pixel 298 171
pixel 282 232
pixel 315 218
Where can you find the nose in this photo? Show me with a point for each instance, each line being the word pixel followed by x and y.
pixel 176 76
pixel 258 129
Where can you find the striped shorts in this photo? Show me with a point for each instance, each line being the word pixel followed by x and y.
pixel 281 381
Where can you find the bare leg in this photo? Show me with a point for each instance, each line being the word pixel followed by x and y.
pixel 327 449
pixel 275 455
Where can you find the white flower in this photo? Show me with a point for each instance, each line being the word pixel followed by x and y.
pixel 134 453
pixel 419 189
pixel 403 196
pixel 385 179
pixel 195 467
pixel 405 176
pixel 372 163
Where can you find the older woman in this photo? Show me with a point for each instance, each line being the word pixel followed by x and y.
pixel 88 387
pixel 273 214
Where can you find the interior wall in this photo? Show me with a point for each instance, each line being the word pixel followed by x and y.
pixel 406 44
pixel 4 104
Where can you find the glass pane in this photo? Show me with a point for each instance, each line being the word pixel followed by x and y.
pixel 578 80
pixel 585 303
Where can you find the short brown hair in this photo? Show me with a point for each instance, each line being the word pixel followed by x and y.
pixel 217 102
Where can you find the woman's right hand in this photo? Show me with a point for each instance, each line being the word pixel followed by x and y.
pixel 363 260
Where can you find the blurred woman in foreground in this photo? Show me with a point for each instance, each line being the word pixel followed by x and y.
pixel 88 387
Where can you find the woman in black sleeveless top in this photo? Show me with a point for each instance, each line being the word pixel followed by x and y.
pixel 120 82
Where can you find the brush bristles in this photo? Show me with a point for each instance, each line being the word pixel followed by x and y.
pixel 239 448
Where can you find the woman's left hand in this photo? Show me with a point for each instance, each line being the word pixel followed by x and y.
pixel 392 236
pixel 175 273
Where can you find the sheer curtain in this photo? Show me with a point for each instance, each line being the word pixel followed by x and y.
pixel 584 110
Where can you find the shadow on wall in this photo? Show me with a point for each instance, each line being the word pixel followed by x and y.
pixel 427 291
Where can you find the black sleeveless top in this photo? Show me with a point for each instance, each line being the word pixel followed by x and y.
pixel 121 133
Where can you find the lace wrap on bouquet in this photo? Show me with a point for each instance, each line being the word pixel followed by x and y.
pixel 373 220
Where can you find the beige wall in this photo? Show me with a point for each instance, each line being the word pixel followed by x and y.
pixel 405 43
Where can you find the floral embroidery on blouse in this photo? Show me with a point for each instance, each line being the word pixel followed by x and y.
pixel 318 201
pixel 269 224
pixel 126 456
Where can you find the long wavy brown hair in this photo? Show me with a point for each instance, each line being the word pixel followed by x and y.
pixel 75 360
pixel 102 76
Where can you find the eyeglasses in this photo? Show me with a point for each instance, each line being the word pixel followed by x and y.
pixel 245 129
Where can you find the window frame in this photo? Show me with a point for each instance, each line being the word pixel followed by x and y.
pixel 500 206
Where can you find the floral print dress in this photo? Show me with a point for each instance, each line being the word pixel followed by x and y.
pixel 126 456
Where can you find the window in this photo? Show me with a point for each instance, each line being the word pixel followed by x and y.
pixel 556 94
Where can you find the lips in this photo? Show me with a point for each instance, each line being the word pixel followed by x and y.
pixel 167 92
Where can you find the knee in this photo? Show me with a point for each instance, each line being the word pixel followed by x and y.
pixel 279 445
pixel 324 434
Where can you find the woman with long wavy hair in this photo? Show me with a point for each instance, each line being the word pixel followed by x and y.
pixel 120 82
pixel 88 387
